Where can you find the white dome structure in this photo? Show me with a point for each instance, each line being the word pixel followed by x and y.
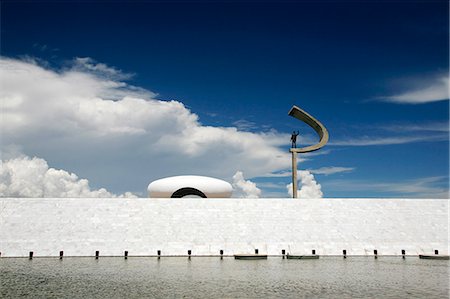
pixel 189 186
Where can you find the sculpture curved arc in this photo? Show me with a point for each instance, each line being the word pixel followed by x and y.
pixel 313 123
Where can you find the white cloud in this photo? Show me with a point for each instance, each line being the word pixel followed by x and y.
pixel 425 187
pixel 87 64
pixel 323 170
pixel 244 125
pixel 418 127
pixel 87 120
pixel 244 188
pixel 309 186
pixel 438 90
pixel 280 174
pixel 331 170
pixel 271 185
pixel 370 141
pixel 404 133
pixel 31 177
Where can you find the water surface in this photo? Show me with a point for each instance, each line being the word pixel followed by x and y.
pixel 210 277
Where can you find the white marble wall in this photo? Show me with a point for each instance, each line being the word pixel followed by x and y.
pixel 79 227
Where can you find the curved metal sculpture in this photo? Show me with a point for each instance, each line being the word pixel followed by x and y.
pixel 320 130
pixel 313 123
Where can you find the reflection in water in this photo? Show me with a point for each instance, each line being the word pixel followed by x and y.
pixel 202 277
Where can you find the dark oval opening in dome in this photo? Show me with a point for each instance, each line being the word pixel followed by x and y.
pixel 188 191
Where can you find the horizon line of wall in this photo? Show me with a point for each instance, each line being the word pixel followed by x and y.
pixel 80 227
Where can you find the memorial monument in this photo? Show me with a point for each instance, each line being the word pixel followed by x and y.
pixel 320 130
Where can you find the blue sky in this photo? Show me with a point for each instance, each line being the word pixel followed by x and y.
pixel 374 73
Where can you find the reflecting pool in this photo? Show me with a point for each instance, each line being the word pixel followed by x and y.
pixel 210 277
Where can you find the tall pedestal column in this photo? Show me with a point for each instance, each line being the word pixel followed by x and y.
pixel 294 174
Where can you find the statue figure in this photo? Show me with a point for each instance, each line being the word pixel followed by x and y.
pixel 294 138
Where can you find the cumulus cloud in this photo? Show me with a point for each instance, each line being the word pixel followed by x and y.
pixel 309 186
pixel 244 188
pixel 119 134
pixel 32 177
pixel 437 90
